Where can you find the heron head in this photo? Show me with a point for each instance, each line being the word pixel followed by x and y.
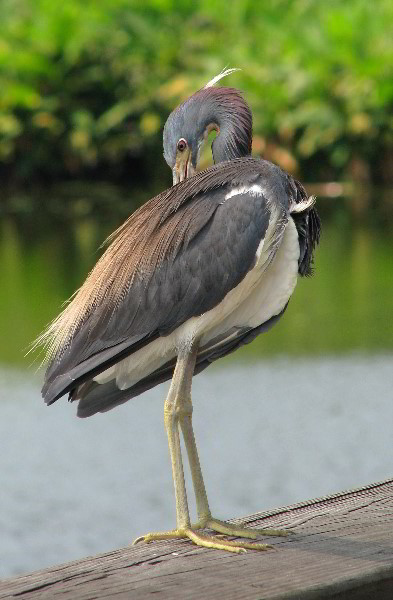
pixel 210 109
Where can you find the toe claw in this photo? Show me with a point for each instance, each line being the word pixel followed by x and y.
pixel 141 538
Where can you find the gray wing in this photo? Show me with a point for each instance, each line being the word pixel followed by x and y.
pixel 214 250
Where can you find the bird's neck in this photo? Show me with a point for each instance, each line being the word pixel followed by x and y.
pixel 225 110
pixel 225 146
pixel 234 136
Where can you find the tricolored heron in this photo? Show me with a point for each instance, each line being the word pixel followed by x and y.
pixel 195 273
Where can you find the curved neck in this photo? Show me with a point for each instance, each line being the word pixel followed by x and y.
pixel 225 110
pixel 226 146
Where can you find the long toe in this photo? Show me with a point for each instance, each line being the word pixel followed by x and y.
pixel 241 531
pixel 172 534
pixel 213 541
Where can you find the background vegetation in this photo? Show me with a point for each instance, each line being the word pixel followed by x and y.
pixel 86 86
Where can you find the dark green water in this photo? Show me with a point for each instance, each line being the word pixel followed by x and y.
pixel 345 307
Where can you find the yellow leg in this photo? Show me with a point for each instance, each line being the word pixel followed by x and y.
pixel 178 410
pixel 205 519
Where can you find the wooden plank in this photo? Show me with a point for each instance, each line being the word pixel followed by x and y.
pixel 342 548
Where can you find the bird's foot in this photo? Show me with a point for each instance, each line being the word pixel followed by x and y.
pixel 211 541
pixel 208 541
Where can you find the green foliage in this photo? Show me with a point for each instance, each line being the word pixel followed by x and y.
pixel 86 86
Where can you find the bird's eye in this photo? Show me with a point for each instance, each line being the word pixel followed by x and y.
pixel 182 145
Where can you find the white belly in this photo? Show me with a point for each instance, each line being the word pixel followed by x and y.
pixel 263 293
pixel 268 295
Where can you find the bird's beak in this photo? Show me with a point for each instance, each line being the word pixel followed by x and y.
pixel 183 167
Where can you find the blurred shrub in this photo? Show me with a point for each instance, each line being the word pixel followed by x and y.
pixel 86 86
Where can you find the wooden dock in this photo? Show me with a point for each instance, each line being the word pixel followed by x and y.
pixel 342 548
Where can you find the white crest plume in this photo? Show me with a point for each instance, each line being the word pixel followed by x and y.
pixel 217 78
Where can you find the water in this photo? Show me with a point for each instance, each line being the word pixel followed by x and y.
pixel 269 433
